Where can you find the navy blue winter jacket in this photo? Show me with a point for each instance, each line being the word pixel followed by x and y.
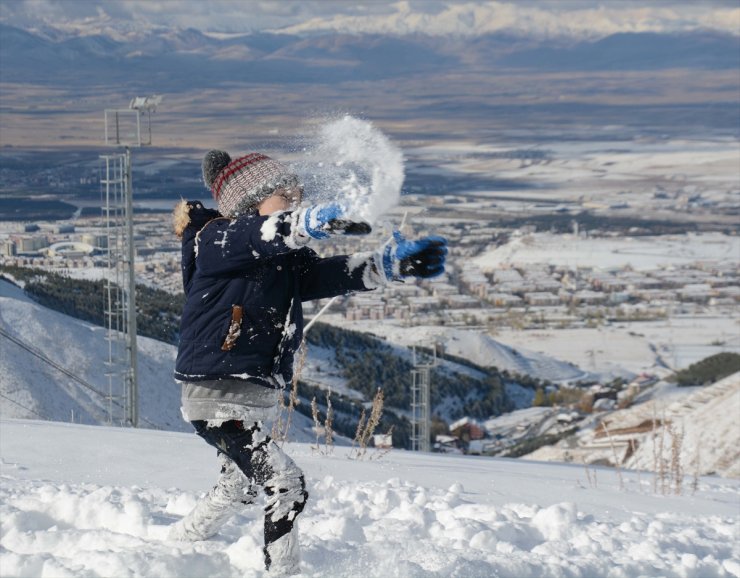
pixel 244 281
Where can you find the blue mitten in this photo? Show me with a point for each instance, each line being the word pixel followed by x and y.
pixel 321 221
pixel 423 258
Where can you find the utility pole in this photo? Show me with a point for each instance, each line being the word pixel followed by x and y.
pixel 123 129
pixel 421 400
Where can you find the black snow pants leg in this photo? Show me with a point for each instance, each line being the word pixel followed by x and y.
pixel 266 466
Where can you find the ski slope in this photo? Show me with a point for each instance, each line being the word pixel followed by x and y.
pixel 81 501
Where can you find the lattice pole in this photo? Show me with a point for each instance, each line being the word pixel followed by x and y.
pixel 114 183
pixel 123 128
pixel 421 401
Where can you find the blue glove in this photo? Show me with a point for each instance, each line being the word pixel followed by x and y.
pixel 423 258
pixel 321 221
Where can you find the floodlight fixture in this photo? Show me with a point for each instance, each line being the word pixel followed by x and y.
pixel 147 103
pixel 123 127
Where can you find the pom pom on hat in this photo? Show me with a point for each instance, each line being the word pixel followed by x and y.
pixel 239 185
pixel 213 163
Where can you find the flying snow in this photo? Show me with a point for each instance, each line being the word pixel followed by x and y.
pixel 350 160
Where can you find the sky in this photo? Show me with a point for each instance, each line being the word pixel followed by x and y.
pixel 580 18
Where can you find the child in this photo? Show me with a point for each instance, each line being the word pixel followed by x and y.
pixel 246 269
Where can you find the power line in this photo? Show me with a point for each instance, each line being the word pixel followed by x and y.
pixel 51 362
pixel 23 406
pixel 37 353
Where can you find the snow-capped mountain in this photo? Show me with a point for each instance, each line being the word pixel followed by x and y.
pixel 48 55
pixel 441 18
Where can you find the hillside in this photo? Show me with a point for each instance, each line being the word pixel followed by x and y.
pixel 482 350
pixel 351 364
pixel 96 501
pixel 33 388
pixel 693 430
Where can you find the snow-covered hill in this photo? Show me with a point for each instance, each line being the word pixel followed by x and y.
pixel 37 342
pixel 478 347
pixel 31 387
pixel 695 428
pixel 89 501
pixel 58 388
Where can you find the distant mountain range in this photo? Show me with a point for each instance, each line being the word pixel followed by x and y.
pixel 183 59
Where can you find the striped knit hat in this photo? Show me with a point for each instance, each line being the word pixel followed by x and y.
pixel 239 185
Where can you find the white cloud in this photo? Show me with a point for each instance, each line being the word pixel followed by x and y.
pixel 466 18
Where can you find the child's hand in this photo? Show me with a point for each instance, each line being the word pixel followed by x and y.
pixel 423 258
pixel 321 221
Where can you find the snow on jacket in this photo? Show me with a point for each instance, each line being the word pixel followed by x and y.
pixel 244 281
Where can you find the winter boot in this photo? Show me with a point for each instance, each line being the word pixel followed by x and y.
pixel 231 490
pixel 283 557
pixel 286 498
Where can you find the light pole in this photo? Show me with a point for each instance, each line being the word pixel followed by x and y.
pixel 123 128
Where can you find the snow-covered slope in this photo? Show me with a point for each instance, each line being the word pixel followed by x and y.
pixel 695 428
pixel 96 501
pixel 706 420
pixel 33 388
pixel 478 347
pixel 486 351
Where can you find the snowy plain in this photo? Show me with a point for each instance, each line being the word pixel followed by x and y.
pixel 639 253
pixel 83 501
pixel 602 172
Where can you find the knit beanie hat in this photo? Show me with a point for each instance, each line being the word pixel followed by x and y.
pixel 239 185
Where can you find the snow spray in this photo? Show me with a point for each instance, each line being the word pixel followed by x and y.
pixel 351 161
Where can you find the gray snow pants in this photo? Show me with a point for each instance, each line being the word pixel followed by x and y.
pixel 264 466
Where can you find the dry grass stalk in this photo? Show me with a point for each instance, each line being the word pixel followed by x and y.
pixel 358 431
pixel 365 429
pixel 328 431
pixel 697 470
pixel 617 462
pixel 676 467
pixel 302 353
pixel 375 414
pixel 669 471
pixel 659 461
pixel 662 473
pixel 315 415
pixel 591 478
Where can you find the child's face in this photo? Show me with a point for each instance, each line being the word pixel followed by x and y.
pixel 281 200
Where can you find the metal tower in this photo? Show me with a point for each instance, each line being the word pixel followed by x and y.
pixel 420 399
pixel 123 128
